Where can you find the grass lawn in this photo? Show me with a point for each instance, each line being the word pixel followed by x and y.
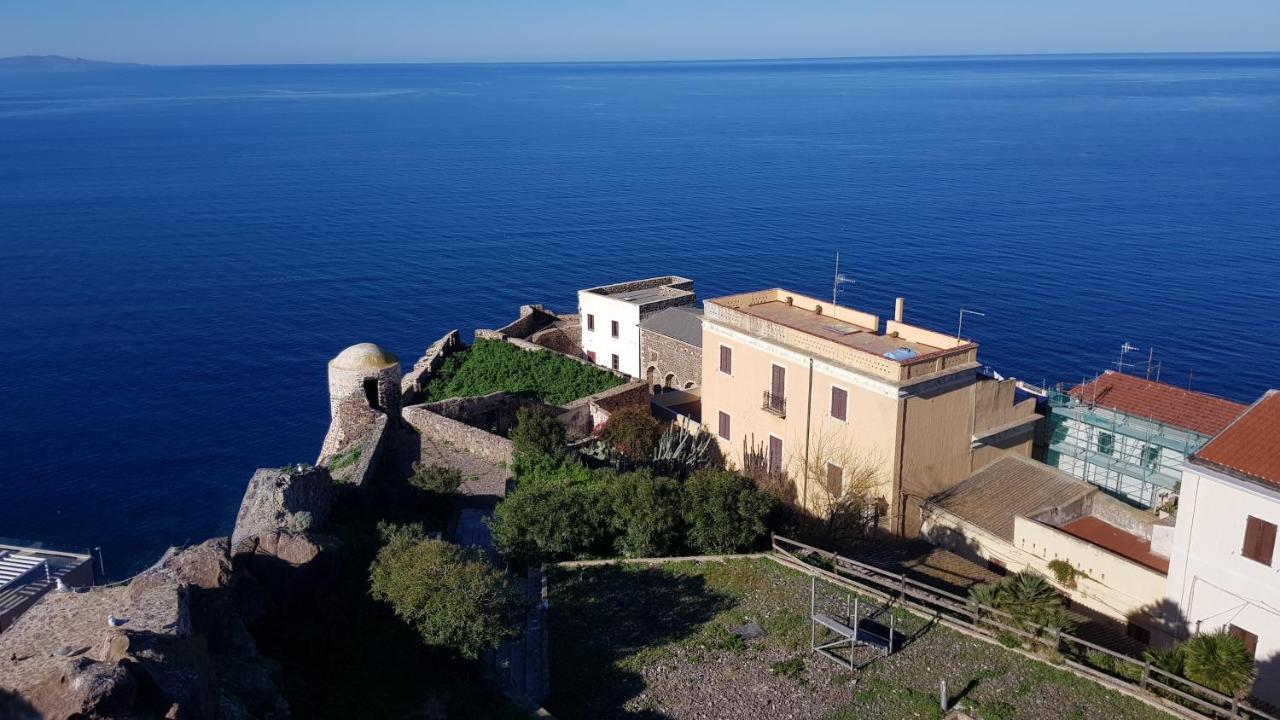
pixel 654 642
pixel 492 365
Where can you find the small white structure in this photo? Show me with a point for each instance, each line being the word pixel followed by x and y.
pixel 611 315
pixel 368 369
pixel 1224 572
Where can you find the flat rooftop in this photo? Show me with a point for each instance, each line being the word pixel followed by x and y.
pixel 648 290
pixel 833 328
pixel 1109 537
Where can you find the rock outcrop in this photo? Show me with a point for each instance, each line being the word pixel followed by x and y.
pixel 172 643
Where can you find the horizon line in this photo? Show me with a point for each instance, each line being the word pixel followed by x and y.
pixel 669 61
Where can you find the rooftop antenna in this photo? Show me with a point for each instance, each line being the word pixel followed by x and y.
pixel 840 279
pixel 960 325
pixel 1125 349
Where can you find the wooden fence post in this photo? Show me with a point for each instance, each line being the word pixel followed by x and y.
pixel 1146 675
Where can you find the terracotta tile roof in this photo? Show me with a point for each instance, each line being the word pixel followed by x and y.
pixel 1250 446
pixel 1006 488
pixel 1167 404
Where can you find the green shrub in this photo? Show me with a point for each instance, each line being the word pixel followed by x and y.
pixel 492 365
pixel 538 432
pixel 633 432
pixel 451 596
pixel 300 522
pixel 1170 659
pixel 724 512
pixel 548 521
pixel 678 453
pixel 646 515
pixel 1219 661
pixel 1064 572
pixel 436 479
pixel 1031 601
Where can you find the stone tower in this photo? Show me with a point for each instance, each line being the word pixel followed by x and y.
pixel 369 370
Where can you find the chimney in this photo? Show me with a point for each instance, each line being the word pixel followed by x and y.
pixel 897 310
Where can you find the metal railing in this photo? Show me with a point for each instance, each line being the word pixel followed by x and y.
pixel 1136 675
pixel 776 404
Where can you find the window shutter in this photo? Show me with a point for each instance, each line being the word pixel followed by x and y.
pixel 726 360
pixel 835 479
pixel 839 403
pixel 1249 639
pixel 724 425
pixel 775 454
pixel 1259 540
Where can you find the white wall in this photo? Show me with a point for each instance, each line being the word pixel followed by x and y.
pixel 626 346
pixel 1211 583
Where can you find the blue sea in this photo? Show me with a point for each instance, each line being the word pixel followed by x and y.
pixel 183 248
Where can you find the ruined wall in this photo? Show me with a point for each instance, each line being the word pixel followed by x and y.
pixel 416 379
pixel 355 442
pixel 663 356
pixel 494 448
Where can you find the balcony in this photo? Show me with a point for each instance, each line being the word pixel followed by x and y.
pixel 774 404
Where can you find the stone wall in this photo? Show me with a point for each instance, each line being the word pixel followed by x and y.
pixel 585 415
pixel 416 379
pixel 664 355
pixel 495 412
pixel 493 448
pixel 356 441
pixel 542 328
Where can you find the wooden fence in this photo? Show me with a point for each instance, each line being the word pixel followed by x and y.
pixel 1136 675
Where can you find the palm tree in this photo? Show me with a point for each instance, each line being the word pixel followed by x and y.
pixel 1218 661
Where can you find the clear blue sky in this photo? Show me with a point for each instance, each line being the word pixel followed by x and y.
pixel 264 31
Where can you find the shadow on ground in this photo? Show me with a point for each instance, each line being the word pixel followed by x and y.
pixel 608 615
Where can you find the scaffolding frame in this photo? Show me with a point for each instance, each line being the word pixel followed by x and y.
pixel 849 631
pixel 1119 460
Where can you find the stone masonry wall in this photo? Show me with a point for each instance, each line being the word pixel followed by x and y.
pixel 413 381
pixel 494 448
pixel 665 355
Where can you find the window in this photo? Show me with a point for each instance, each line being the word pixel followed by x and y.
pixel 839 403
pixel 1106 443
pixel 726 360
pixel 1249 639
pixel 591 355
pixel 723 430
pixel 775 455
pixel 1151 457
pixel 613 327
pixel 1259 540
pixel 835 480
pixel 1139 633
pixel 614 362
pixel 591 322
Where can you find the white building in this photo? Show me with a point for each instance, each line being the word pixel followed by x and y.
pixel 611 315
pixel 1224 571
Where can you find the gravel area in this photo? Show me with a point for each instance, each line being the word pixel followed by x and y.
pixel 658 642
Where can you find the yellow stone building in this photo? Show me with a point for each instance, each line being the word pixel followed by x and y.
pixel 827 399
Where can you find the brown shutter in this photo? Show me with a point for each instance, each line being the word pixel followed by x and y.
pixel 1249 639
pixel 839 403
pixel 775 454
pixel 835 479
pixel 724 425
pixel 726 360
pixel 779 385
pixel 613 325
pixel 591 322
pixel 1259 540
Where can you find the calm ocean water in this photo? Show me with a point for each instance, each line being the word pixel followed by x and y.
pixel 182 249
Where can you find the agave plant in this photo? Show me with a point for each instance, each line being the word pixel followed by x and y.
pixel 679 453
pixel 1219 661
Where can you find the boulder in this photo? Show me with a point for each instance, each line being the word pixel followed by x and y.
pixel 87 689
pixel 291 565
pixel 274 497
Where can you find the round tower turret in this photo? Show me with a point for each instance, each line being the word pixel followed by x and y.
pixel 369 370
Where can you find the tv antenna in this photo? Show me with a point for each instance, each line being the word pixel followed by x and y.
pixel 840 279
pixel 960 325
pixel 1126 348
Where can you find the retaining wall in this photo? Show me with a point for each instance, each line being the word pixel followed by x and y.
pixel 494 448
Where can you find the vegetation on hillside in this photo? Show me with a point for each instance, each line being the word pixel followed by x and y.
pixel 490 366
pixel 562 509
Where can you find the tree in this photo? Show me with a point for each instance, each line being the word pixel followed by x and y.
pixel 845 490
pixel 538 432
pixel 1219 661
pixel 724 512
pixel 633 432
pixel 646 515
pixel 548 520
pixel 451 596
pixel 1028 598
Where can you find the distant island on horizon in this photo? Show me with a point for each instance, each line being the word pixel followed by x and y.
pixel 57 62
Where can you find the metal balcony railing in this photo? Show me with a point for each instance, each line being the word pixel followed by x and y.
pixel 776 404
